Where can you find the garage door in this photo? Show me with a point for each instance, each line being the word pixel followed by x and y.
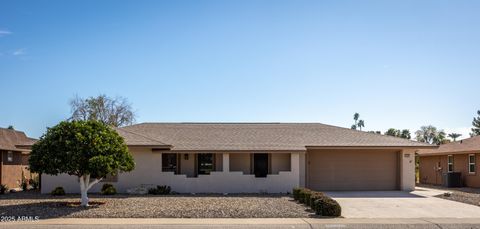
pixel 341 170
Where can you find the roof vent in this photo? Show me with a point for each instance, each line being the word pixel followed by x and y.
pixel 461 141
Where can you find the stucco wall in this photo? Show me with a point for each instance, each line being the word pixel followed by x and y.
pixel 11 172
pixel 240 162
pixel 280 162
pixel 407 170
pixel 148 172
pixel 187 167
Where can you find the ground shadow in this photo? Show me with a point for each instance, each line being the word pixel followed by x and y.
pixel 42 210
pixel 372 194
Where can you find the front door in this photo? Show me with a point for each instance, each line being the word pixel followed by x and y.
pixel 260 164
pixel 204 163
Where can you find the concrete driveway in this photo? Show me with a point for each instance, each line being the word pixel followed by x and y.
pixel 420 203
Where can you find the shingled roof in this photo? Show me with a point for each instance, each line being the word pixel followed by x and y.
pixel 13 140
pixel 465 145
pixel 259 136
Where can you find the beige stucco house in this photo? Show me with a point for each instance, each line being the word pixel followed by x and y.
pixel 259 157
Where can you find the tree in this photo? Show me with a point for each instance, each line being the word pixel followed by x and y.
pixel 454 136
pixel 392 132
pixel 111 111
pixel 405 133
pixel 89 150
pixel 430 134
pixel 10 127
pixel 358 123
pixel 476 125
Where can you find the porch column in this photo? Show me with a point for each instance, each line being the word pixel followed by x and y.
pixel 226 162
pixel 407 170
pixel 295 167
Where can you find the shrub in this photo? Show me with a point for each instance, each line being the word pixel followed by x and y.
pixel 326 206
pixel 35 184
pixel 160 190
pixel 3 188
pixel 315 196
pixel 108 189
pixel 24 184
pixel 58 191
pixel 301 195
pixel 296 193
pixel 306 197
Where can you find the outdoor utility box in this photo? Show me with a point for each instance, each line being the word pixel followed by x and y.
pixel 452 179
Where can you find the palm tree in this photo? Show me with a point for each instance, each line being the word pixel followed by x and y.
pixel 430 134
pixel 454 136
pixel 358 123
pixel 361 124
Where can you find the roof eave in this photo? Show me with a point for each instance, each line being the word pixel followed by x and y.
pixel 373 147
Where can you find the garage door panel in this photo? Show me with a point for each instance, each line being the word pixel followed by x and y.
pixel 353 169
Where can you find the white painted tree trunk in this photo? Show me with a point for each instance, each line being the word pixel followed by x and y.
pixel 85 185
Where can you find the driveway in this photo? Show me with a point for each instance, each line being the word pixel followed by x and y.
pixel 420 203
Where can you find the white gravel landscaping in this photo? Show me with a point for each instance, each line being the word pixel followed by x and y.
pixel 149 206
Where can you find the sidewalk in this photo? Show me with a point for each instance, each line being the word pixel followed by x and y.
pixel 241 223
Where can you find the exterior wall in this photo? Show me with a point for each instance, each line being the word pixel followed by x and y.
pixel 280 162
pixel 407 170
pixel 187 167
pixel 12 172
pixel 240 162
pixel 430 173
pixel 148 173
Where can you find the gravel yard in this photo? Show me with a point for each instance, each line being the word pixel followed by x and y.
pixel 177 206
pixel 464 195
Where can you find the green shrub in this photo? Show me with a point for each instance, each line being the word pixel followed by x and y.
pixel 296 193
pixel 301 195
pixel 326 206
pixel 315 196
pixel 58 191
pixel 306 197
pixel 3 188
pixel 108 189
pixel 160 190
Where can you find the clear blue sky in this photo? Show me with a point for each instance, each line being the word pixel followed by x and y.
pixel 399 64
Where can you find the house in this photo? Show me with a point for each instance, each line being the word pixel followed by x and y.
pixel 259 157
pixel 14 157
pixel 461 156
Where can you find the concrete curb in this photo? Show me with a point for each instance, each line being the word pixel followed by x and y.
pixel 247 221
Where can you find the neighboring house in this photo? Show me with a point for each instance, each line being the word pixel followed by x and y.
pixel 461 156
pixel 14 157
pixel 259 157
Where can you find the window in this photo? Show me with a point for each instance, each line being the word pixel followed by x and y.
pixel 9 156
pixel 471 163
pixel 450 163
pixel 169 162
pixel 205 163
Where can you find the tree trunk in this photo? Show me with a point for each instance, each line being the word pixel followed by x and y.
pixel 85 185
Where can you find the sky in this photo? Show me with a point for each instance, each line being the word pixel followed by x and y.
pixel 400 64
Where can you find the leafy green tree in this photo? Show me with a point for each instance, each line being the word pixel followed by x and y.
pixel 111 111
pixel 406 134
pixel 89 150
pixel 358 123
pixel 476 125
pixel 454 136
pixel 430 134
pixel 392 132
pixel 10 127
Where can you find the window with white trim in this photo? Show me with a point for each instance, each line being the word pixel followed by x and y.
pixel 450 163
pixel 471 163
